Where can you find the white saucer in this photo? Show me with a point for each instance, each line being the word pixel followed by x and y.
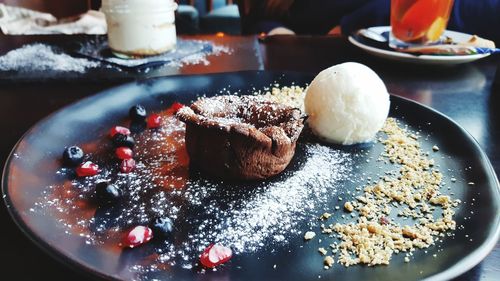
pixel 420 59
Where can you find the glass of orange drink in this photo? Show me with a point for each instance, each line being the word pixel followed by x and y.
pixel 418 22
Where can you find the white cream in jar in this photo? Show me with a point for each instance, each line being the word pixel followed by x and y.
pixel 140 27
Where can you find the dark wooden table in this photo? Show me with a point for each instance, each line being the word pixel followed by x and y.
pixel 467 93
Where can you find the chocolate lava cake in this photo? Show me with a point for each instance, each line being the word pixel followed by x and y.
pixel 241 137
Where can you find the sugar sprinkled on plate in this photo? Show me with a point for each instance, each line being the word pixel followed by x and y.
pixel 201 57
pixel 278 207
pixel 246 217
pixel 40 57
pixel 187 52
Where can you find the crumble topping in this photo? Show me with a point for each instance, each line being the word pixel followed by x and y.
pixel 309 235
pixel 374 238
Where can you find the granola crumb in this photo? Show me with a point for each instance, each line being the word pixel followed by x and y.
pixel 348 206
pixel 322 251
pixel 325 216
pixel 291 95
pixel 413 191
pixel 309 235
pixel 328 261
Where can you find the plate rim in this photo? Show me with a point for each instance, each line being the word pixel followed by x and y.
pixel 38 241
pixel 462 266
pixel 421 59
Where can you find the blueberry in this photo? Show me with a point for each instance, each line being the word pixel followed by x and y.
pixel 138 126
pixel 163 227
pixel 120 140
pixel 73 156
pixel 107 193
pixel 137 113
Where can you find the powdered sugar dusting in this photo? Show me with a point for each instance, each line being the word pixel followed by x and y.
pixel 244 216
pixel 201 57
pixel 187 52
pixel 277 209
pixel 40 57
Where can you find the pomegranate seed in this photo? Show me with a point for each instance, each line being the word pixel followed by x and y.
pixel 154 121
pixel 176 106
pixel 124 153
pixel 127 165
pixel 87 169
pixel 215 255
pixel 137 236
pixel 119 130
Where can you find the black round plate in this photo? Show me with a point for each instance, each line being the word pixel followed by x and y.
pixel 33 162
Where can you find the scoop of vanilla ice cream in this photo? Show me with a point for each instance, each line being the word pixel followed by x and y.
pixel 347 103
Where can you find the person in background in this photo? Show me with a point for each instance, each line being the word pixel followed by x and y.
pixel 321 17
pixel 58 8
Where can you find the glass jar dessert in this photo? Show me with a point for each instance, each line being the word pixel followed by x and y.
pixel 138 28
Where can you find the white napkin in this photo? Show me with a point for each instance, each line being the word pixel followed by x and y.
pixel 21 21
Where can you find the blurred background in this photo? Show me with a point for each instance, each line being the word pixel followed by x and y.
pixel 192 16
